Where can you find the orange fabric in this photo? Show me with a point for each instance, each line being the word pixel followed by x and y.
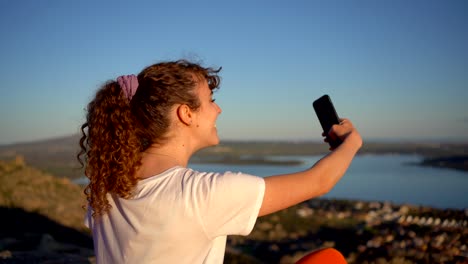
pixel 323 256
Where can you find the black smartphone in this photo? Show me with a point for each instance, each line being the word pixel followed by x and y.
pixel 327 117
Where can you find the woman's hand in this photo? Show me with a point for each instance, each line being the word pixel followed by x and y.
pixel 282 191
pixel 344 131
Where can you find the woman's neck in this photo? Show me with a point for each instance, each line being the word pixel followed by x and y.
pixel 157 159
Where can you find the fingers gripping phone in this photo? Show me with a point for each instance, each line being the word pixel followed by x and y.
pixel 327 117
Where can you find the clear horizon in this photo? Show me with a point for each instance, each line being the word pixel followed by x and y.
pixel 396 69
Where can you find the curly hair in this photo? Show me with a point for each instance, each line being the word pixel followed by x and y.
pixel 117 130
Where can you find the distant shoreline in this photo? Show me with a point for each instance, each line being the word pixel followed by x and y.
pixel 58 155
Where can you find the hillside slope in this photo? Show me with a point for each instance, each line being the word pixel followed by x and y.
pixel 41 217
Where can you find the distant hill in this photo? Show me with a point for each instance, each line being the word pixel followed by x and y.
pixel 58 156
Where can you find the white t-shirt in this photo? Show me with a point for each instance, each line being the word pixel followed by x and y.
pixel 178 216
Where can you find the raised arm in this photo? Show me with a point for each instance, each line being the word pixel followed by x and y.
pixel 282 191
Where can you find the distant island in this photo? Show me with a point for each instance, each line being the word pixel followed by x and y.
pixel 452 162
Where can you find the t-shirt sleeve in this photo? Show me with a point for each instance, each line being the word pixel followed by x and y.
pixel 229 202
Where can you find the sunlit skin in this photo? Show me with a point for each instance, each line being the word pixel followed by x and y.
pixel 205 118
pixel 190 131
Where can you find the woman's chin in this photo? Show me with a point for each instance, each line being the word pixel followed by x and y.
pixel 213 142
pixel 216 141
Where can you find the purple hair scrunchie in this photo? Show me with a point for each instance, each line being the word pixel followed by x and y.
pixel 128 84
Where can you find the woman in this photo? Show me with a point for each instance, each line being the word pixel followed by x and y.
pixel 145 205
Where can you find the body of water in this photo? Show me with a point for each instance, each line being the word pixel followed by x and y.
pixel 376 178
pixel 379 178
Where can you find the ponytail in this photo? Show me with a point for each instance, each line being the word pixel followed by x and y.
pixel 110 150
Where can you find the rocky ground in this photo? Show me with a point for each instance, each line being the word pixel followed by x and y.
pixel 42 222
pixel 365 232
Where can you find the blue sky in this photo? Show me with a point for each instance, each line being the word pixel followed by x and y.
pixel 397 69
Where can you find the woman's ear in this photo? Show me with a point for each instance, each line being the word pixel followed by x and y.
pixel 185 115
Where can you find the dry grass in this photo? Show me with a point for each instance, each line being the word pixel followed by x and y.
pixel 34 191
